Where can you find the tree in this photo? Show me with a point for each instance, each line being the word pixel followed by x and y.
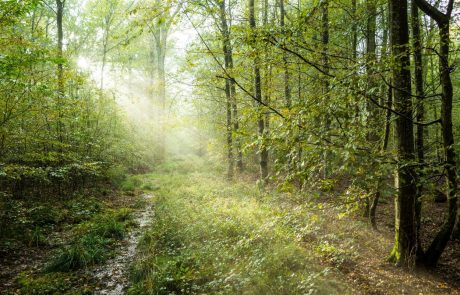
pixel 229 85
pixel 405 247
pixel 160 29
pixel 434 251
pixel 263 152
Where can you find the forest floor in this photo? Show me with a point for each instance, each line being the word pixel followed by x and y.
pixel 211 236
pixel 195 233
pixel 79 245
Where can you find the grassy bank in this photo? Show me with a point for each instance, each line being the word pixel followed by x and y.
pixel 209 237
pixel 51 246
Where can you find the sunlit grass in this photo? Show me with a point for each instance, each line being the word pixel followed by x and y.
pixel 209 237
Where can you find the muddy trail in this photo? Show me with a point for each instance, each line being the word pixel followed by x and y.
pixel 113 276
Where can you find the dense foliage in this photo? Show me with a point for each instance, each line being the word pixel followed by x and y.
pixel 351 102
pixel 58 132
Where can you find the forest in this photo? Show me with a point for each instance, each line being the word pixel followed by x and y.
pixel 229 147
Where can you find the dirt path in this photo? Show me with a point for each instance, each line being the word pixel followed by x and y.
pixel 113 275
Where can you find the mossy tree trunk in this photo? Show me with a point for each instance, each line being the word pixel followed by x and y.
pixel 405 246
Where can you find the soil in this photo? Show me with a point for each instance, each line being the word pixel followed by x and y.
pixel 372 274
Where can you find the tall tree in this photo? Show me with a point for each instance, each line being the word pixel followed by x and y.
pixel 263 152
pixel 287 75
pixel 325 36
pixel 443 20
pixel 405 247
pixel 229 85
pixel 420 110
pixel 160 29
pixel 60 68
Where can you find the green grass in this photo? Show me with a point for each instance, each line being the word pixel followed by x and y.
pixel 53 283
pixel 93 241
pixel 212 237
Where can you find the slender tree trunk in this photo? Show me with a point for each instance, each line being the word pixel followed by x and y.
pixel 228 88
pixel 354 53
pixel 354 31
pixel 372 121
pixel 236 127
pixel 326 84
pixel 159 39
pixel 439 243
pixel 228 53
pixel 60 70
pixel 60 45
pixel 420 93
pixel 405 247
pixel 387 129
pixel 386 139
pixel 287 88
pixel 263 152
pixel 229 131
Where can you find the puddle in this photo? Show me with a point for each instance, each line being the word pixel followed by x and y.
pixel 113 275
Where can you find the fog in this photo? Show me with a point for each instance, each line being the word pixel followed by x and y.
pixel 133 90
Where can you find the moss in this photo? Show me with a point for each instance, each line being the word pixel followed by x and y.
pixel 395 255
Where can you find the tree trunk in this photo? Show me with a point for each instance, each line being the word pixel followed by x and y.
pixel 372 120
pixel 228 88
pixel 287 89
pixel 325 62
pixel 60 70
pixel 387 128
pixel 405 247
pixel 228 55
pixel 439 243
pixel 60 45
pixel 263 152
pixel 386 139
pixel 420 93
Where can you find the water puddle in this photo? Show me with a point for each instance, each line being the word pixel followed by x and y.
pixel 114 274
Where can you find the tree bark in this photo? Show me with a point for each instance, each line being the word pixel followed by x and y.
pixel 420 111
pixel 405 247
pixel 228 88
pixel 263 152
pixel 324 10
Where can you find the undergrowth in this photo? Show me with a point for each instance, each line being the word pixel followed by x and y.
pixel 92 242
pixel 209 237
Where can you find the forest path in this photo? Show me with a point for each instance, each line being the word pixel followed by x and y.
pixel 213 236
pixel 209 236
pixel 114 274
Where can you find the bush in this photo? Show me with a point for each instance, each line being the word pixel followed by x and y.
pixel 44 215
